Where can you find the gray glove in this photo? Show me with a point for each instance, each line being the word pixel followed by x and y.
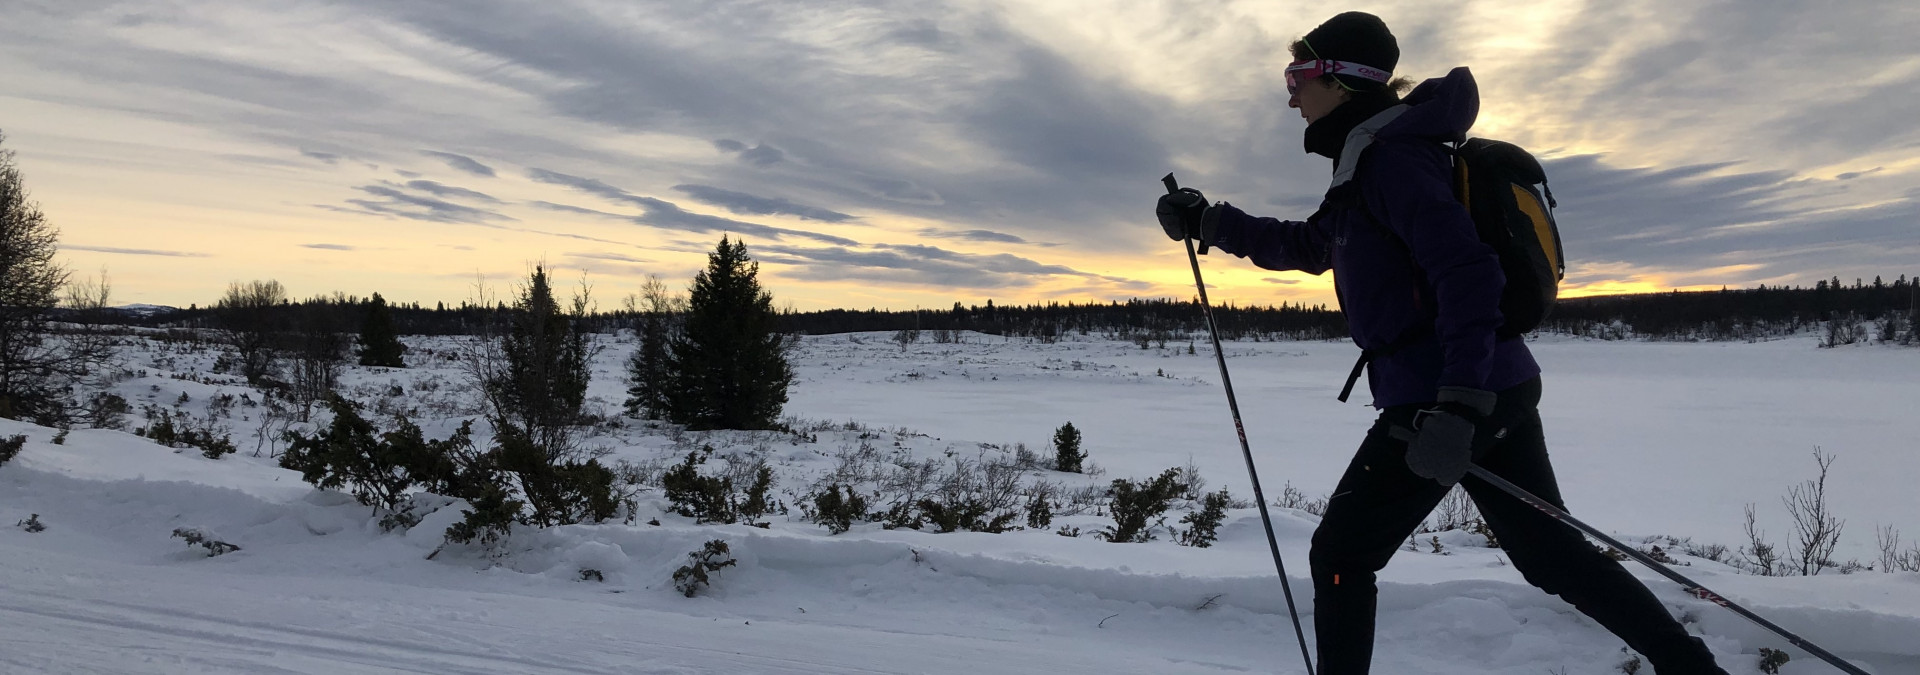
pixel 1442 443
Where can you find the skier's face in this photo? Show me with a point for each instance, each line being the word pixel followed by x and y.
pixel 1315 98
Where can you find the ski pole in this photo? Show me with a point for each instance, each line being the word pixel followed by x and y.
pixel 1213 330
pixel 1697 590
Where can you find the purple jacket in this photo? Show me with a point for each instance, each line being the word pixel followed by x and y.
pixel 1429 276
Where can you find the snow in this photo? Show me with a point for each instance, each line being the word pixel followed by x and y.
pixel 1649 439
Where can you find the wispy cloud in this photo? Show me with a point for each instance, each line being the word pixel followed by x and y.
pixel 400 204
pixel 615 257
pixel 438 190
pixel 921 265
pixel 754 205
pixel 987 236
pixel 328 157
pixel 134 251
pixel 461 163
pixel 331 247
pixel 667 215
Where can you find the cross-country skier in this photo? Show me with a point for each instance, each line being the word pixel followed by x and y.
pixel 1421 293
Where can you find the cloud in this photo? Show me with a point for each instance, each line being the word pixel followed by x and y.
pixel 327 157
pixel 615 257
pixel 438 190
pixel 763 155
pixel 1031 130
pixel 741 202
pixel 760 155
pixel 1747 226
pixel 921 265
pixel 400 204
pixel 667 215
pixel 331 247
pixel 461 163
pixel 1009 123
pixel 987 236
pixel 134 251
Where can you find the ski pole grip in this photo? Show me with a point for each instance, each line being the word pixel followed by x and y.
pixel 1173 186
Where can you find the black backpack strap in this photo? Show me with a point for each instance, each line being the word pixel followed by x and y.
pixel 1413 336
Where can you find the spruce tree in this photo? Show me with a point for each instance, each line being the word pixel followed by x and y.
pixel 729 367
pixel 649 382
pixel 378 344
pixel 540 379
pixel 30 280
pixel 1067 455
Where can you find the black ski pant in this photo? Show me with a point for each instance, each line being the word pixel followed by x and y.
pixel 1380 502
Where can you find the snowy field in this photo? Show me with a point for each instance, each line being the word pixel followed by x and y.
pixel 1649 439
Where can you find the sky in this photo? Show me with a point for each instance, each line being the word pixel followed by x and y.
pixel 913 153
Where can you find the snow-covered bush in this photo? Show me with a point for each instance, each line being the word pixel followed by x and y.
pixel 981 495
pixel 1040 505
pixel 1630 663
pixel 10 446
pixel 706 499
pixel 176 430
pixel 198 537
pixel 700 567
pixel 558 492
pixel 1138 507
pixel 1772 659
pixel 1203 526
pixel 378 469
pixel 836 509
pixel 105 410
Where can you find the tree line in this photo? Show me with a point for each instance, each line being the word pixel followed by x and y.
pixel 1761 312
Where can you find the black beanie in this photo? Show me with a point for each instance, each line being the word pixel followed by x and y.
pixel 1356 37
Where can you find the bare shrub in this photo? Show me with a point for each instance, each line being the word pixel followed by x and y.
pixel 980 495
pixel 1816 529
pixel 1758 556
pixel 1892 559
pixel 1292 498
pixel 1456 511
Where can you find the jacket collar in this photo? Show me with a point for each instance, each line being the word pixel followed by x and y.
pixel 1358 138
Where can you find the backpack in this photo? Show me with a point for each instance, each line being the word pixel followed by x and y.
pixel 1505 192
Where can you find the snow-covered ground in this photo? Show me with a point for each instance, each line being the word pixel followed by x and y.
pixel 1649 439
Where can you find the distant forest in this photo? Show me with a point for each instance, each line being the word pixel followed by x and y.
pixel 1842 313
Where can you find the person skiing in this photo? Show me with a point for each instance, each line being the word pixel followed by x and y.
pixel 1421 294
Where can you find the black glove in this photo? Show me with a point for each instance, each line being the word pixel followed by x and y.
pixel 1187 215
pixel 1442 444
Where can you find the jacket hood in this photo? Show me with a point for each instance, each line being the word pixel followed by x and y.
pixel 1441 109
